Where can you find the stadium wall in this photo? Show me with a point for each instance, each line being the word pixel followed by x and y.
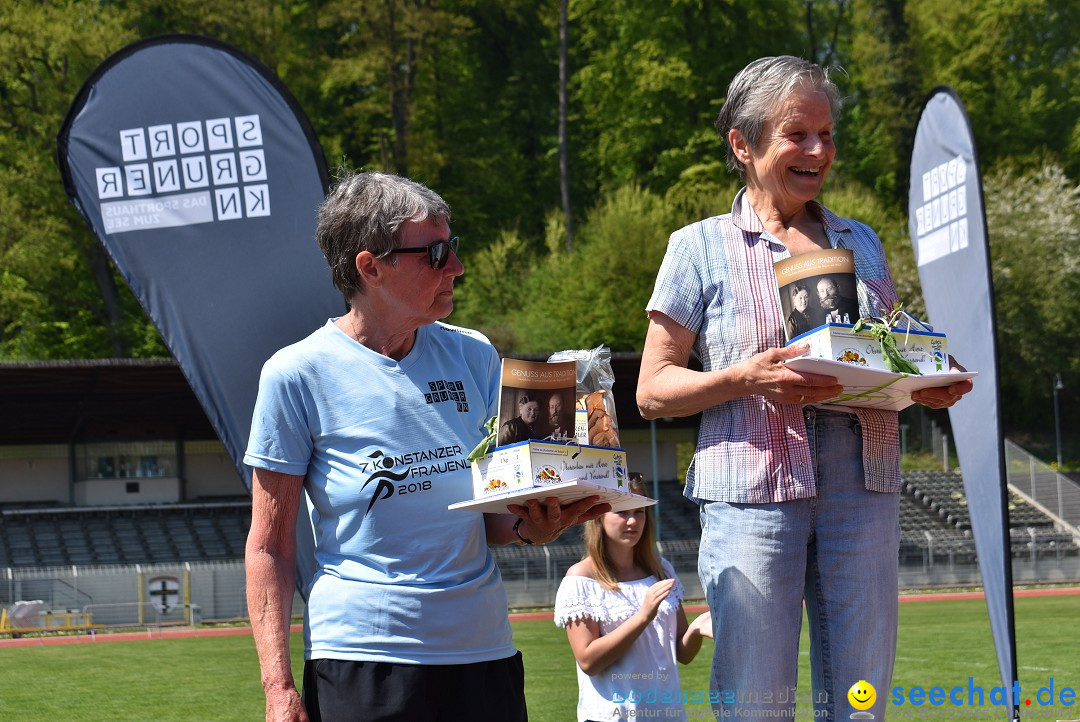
pixel 48 474
pixel 34 473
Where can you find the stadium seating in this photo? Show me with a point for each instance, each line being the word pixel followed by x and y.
pixel 934 519
pixel 57 536
pixel 943 494
pixel 678 516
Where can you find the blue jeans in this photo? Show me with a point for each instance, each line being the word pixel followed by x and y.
pixel 838 553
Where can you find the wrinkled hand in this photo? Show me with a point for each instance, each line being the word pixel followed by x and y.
pixel 766 374
pixel 285 706
pixel 545 522
pixel 653 596
pixel 702 625
pixel 942 397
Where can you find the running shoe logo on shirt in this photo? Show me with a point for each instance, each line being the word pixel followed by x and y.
pixel 422 466
pixel 386 478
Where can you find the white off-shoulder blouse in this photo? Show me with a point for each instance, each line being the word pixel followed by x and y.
pixel 646 677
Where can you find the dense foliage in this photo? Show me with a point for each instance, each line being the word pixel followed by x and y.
pixel 463 95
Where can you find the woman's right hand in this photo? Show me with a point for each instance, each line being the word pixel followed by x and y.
pixel 767 375
pixel 656 594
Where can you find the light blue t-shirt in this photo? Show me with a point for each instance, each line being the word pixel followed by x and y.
pixel 382 444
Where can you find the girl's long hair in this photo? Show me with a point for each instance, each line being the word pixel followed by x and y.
pixel 645 554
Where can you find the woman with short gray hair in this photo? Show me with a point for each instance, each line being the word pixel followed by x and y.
pixel 365 427
pixel 799 502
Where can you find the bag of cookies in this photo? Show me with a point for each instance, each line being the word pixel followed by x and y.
pixel 596 423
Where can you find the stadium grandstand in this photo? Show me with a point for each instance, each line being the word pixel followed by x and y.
pixel 118 503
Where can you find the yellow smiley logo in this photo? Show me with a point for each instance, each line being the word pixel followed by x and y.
pixel 862 695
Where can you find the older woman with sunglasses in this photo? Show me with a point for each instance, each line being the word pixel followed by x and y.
pixel 371 418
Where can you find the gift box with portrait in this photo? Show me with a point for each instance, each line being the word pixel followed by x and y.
pixel 816 289
pixel 879 361
pixel 924 349
pixel 554 436
pixel 541 469
pixel 537 401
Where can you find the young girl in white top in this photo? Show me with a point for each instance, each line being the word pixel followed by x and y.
pixel 622 609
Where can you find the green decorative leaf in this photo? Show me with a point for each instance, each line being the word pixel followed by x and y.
pixel 481 449
pixel 882 330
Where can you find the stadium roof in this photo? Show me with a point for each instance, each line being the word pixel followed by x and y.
pixel 626 366
pixel 52 402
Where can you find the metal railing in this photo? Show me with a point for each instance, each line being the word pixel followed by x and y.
pixel 214 591
pixel 1056 495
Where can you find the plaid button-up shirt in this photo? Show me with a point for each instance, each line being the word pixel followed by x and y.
pixel 717 281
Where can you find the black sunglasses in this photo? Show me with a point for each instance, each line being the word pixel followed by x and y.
pixel 438 252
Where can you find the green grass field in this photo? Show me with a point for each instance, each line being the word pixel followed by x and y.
pixel 217 678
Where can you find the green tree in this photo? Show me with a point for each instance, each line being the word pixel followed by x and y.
pixel 493 289
pixel 496 121
pixel 1015 65
pixel 651 76
pixel 597 293
pixel 474 116
pixel 286 36
pixel 886 93
pixel 1033 222
pixel 383 69
pixel 59 295
pixel 463 95
pixel 260 28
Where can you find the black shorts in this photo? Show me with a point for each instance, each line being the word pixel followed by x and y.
pixel 337 690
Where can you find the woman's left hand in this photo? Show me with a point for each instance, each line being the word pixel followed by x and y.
pixel 543 523
pixel 942 397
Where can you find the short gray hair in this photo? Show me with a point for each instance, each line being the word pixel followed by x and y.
pixel 757 91
pixel 364 212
